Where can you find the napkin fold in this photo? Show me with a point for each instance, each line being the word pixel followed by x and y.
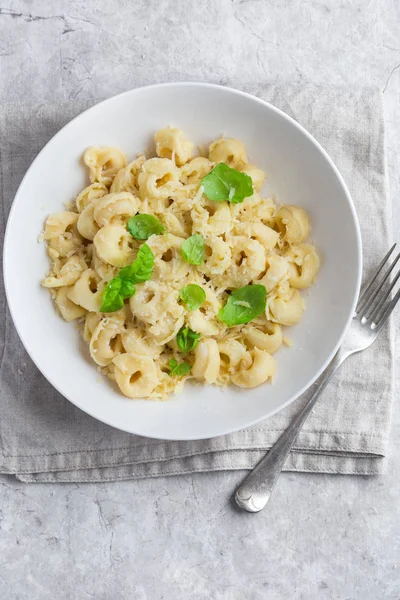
pixel 45 438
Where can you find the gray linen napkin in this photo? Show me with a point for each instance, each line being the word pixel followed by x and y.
pixel 45 438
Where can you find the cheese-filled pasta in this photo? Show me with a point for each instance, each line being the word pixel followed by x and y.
pixel 177 268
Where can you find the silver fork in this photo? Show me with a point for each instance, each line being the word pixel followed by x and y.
pixel 373 310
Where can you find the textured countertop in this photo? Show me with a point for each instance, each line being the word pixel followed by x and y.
pixel 322 537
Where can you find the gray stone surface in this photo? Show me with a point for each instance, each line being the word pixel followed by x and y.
pixel 322 537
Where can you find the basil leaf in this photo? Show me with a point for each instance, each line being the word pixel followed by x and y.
pixel 187 339
pixel 192 249
pixel 115 292
pixel 225 183
pixel 141 227
pixel 123 285
pixel 112 299
pixel 125 272
pixel 127 288
pixel 142 266
pixel 178 369
pixel 243 305
pixel 192 295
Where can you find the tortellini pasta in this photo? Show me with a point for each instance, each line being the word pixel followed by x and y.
pixel 255 368
pixel 104 163
pixel 158 179
pixel 114 245
pixel 229 151
pixel 252 242
pixel 172 143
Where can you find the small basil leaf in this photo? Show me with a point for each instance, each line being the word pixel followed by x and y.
pixel 112 299
pixel 192 249
pixel 179 369
pixel 192 295
pixel 187 339
pixel 123 285
pixel 243 305
pixel 142 266
pixel 125 272
pixel 225 183
pixel 141 227
pixel 127 288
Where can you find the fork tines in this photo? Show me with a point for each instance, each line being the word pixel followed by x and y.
pixel 374 304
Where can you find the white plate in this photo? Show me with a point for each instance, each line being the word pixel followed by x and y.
pixel 300 172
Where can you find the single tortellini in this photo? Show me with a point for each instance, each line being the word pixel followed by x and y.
pixel 68 309
pixel 106 342
pixel 136 375
pixel 265 336
pixel 287 311
pixel 91 192
pixel 247 263
pixel 147 303
pixel 68 274
pixel 230 151
pixel 158 179
pixel 62 235
pixel 171 143
pixel 136 341
pixel 276 272
pixel 257 176
pixel 157 304
pixel 194 170
pixel 211 218
pixel 126 180
pixel 304 265
pixel 115 208
pixel 115 245
pixel 231 353
pixel 168 262
pixel 267 236
pixel 293 223
pixel 88 291
pixel 207 361
pixel 217 257
pixel 59 223
pixel 104 162
pixel 257 367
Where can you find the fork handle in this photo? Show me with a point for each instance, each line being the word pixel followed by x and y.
pixel 254 492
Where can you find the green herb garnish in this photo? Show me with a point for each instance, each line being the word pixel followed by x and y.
pixel 192 249
pixel 177 369
pixel 141 227
pixel 187 339
pixel 244 305
pixel 192 295
pixel 225 183
pixel 116 291
pixel 123 285
pixel 142 267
